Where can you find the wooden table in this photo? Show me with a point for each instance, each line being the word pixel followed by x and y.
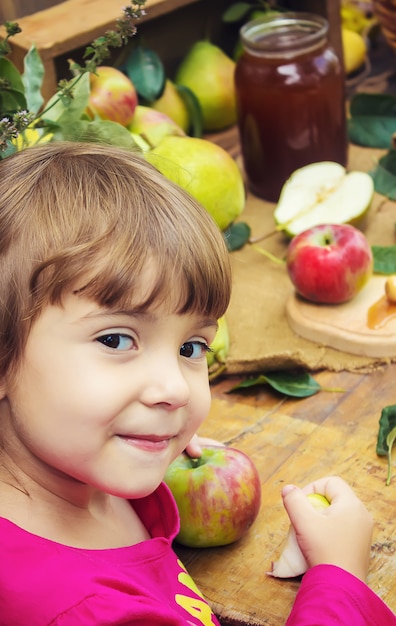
pixel 297 440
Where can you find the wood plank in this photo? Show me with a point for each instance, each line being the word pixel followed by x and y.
pixel 74 23
pixel 293 440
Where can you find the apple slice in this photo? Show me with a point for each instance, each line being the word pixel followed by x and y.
pixel 322 193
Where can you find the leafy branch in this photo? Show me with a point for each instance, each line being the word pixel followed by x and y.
pixel 21 103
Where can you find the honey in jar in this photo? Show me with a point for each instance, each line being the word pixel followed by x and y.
pixel 290 99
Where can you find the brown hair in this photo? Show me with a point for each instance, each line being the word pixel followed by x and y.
pixel 71 211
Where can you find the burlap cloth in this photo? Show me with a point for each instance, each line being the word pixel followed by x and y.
pixel 261 339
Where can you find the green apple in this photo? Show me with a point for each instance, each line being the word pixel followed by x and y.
pixel 322 193
pixel 112 96
pixel 172 104
pixel 218 496
pixel 291 562
pixel 209 73
pixel 153 126
pixel 206 171
pixel 318 501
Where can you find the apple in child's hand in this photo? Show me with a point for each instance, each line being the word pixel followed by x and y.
pixel 218 496
pixel 329 263
pixel 113 96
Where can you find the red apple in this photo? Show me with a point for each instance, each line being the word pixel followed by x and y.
pixel 329 263
pixel 218 496
pixel 113 96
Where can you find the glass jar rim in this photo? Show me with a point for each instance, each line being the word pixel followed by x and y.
pixel 309 29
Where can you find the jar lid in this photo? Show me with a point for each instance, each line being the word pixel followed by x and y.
pixel 284 33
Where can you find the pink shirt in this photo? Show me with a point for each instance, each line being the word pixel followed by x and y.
pixel 329 596
pixel 44 583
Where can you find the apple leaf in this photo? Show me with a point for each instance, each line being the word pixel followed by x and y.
pixel 384 259
pixel 372 120
pixel 236 12
pixel 296 385
pixel 194 110
pixel 12 100
pixel 97 131
pixel 146 70
pixel 387 436
pixel 236 235
pixel 384 175
pixel 390 441
pixel 387 423
pixel 10 74
pixel 61 111
pixel 32 78
pixel 12 93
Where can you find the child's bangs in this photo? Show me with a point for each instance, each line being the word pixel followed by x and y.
pixel 186 280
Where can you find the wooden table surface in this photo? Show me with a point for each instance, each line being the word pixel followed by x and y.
pixel 297 440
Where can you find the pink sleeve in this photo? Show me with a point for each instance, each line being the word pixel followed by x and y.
pixel 330 596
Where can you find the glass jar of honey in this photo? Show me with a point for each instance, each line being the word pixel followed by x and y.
pixel 290 91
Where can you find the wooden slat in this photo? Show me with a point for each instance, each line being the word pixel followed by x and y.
pixel 74 23
pixel 71 25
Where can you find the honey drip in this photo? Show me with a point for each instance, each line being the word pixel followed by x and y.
pixel 380 313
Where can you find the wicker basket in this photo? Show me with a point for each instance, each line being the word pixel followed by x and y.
pixel 385 12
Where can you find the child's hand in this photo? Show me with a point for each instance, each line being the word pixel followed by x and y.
pixel 339 535
pixel 194 448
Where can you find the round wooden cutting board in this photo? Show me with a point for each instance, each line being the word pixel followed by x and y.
pixel 345 326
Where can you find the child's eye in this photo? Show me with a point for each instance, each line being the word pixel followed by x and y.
pixel 194 349
pixel 116 341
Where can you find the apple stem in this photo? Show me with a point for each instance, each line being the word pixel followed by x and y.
pixel 270 256
pixel 195 462
pixel 333 389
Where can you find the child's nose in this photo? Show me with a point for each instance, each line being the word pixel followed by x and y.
pixel 167 385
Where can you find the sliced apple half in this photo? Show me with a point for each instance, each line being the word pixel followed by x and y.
pixel 322 193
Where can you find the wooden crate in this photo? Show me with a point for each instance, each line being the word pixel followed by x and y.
pixel 11 10
pixel 169 27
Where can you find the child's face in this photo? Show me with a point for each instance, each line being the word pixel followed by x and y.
pixel 106 398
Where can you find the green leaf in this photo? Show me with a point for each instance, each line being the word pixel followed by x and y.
pixel 12 97
pixel 59 112
pixel 236 235
pixel 295 385
pixel 384 175
pixel 194 110
pixel 32 78
pixel 236 12
pixel 146 71
pixel 384 259
pixel 372 120
pixel 101 131
pixel 9 72
pixel 387 423
pixel 390 441
pixel 11 101
pixel 10 149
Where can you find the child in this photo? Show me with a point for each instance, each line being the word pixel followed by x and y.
pixel 111 282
